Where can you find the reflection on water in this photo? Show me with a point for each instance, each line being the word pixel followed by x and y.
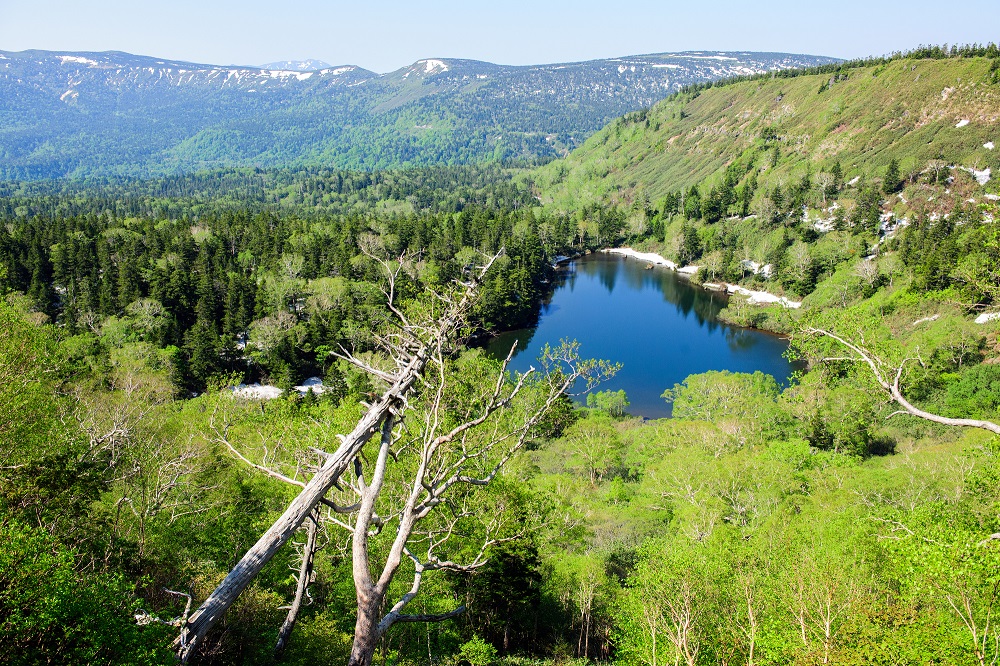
pixel 659 326
pixel 741 339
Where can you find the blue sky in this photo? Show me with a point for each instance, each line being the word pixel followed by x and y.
pixel 384 35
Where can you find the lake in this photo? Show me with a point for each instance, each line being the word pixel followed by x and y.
pixel 659 326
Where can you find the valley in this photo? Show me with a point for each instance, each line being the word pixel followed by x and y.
pixel 826 489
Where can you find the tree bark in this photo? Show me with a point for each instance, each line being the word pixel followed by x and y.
pixel 366 629
pixel 305 573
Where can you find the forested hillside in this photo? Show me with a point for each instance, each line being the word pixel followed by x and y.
pixel 850 518
pixel 85 114
pixel 776 181
pixel 913 110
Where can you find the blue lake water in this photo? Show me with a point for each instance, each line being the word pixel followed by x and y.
pixel 656 324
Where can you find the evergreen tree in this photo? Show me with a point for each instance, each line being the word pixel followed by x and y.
pixel 838 176
pixel 201 347
pixel 892 182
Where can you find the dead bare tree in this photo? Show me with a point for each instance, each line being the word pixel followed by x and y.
pixel 302 580
pixel 682 620
pixel 750 626
pixel 414 359
pixel 307 550
pixel 883 371
pixel 442 436
pixel 444 451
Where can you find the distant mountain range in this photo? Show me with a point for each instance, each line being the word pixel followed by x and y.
pixel 116 114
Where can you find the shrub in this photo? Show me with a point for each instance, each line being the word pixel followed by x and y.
pixel 52 614
pixel 478 652
pixel 976 393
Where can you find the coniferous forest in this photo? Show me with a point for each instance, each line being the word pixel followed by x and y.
pixel 160 341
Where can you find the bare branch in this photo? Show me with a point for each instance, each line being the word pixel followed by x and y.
pixel 303 579
pixel 893 388
pixel 439 617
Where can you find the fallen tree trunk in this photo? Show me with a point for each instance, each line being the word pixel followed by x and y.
pixel 203 619
pixel 393 401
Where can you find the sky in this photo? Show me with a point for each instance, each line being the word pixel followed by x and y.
pixel 384 35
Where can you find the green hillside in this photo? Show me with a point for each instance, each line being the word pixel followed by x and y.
pixel 906 109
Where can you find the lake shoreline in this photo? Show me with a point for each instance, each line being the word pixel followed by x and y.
pixel 753 297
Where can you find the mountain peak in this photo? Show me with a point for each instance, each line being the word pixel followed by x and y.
pixel 426 67
pixel 310 65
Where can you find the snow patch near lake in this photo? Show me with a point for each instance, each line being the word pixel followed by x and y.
pixel 650 257
pixel 561 259
pixel 987 317
pixel 767 270
pixel 314 384
pixel 762 297
pixel 257 392
pixel 963 122
pixel 753 297
pixel 267 392
pixel 988 145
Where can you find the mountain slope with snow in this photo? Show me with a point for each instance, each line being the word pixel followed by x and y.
pixel 111 113
pixel 310 65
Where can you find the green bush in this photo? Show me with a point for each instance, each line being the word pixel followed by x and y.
pixel 614 403
pixel 52 614
pixel 478 652
pixel 976 393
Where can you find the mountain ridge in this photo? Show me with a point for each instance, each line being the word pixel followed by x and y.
pixel 308 65
pixel 72 114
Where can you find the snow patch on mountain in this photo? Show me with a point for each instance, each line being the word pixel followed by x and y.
pixel 310 65
pixel 286 74
pixel 77 59
pixel 426 68
pixel 982 177
pixel 433 66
